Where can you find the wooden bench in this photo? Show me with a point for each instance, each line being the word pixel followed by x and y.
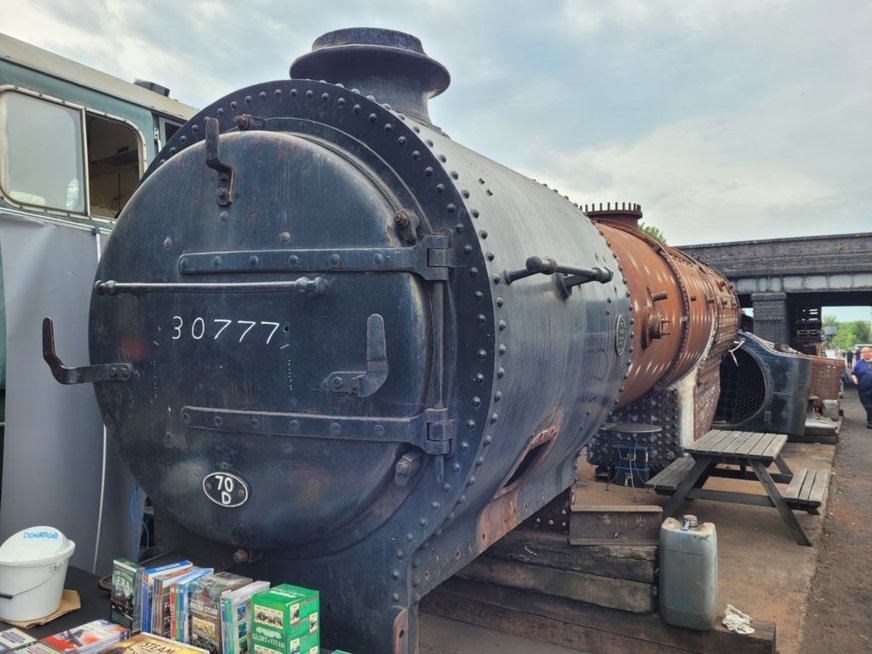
pixel 666 481
pixel 753 453
pixel 806 490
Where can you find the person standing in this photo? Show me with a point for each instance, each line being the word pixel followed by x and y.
pixel 862 377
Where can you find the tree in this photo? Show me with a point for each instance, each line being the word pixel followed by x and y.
pixel 849 333
pixel 653 232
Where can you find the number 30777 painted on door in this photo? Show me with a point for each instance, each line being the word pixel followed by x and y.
pixel 239 331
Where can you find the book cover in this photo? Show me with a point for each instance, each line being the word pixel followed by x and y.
pixel 236 617
pixel 145 588
pixel 89 637
pixel 36 648
pixel 160 599
pixel 204 608
pixel 13 638
pixel 152 644
pixel 178 605
pixel 125 603
pixel 282 614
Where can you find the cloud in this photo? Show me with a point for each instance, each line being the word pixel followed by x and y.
pixel 731 120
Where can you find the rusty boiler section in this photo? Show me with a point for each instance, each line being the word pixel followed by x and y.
pixel 685 317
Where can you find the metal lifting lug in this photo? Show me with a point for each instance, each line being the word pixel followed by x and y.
pixel 82 374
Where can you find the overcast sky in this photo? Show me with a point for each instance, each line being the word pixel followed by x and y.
pixel 727 120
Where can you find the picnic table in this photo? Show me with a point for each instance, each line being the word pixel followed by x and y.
pixel 685 477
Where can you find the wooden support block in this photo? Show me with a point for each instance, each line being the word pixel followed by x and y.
pixel 632 596
pixel 585 628
pixel 601 525
pixel 614 559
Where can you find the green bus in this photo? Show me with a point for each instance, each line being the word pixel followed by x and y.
pixel 73 145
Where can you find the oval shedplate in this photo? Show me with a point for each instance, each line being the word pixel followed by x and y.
pixel 225 489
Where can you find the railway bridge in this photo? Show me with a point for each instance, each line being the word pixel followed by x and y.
pixel 787 281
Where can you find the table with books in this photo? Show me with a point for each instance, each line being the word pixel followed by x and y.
pixel 191 610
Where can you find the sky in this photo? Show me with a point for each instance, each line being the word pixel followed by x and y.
pixel 725 119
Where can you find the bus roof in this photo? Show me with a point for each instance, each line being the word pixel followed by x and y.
pixel 43 61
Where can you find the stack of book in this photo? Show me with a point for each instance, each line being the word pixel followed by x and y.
pixel 89 638
pixel 12 639
pixel 152 644
pixel 216 612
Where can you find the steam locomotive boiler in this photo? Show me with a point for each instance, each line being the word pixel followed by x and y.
pixel 339 349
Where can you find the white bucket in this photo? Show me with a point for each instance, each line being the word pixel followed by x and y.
pixel 33 568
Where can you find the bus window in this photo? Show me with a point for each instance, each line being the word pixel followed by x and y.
pixel 113 164
pixel 43 153
pixel 41 158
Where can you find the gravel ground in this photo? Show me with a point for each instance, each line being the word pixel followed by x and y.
pixel 839 611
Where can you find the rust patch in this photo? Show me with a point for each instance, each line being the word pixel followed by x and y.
pixel 497 519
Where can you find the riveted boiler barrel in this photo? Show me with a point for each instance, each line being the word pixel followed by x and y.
pixel 317 301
